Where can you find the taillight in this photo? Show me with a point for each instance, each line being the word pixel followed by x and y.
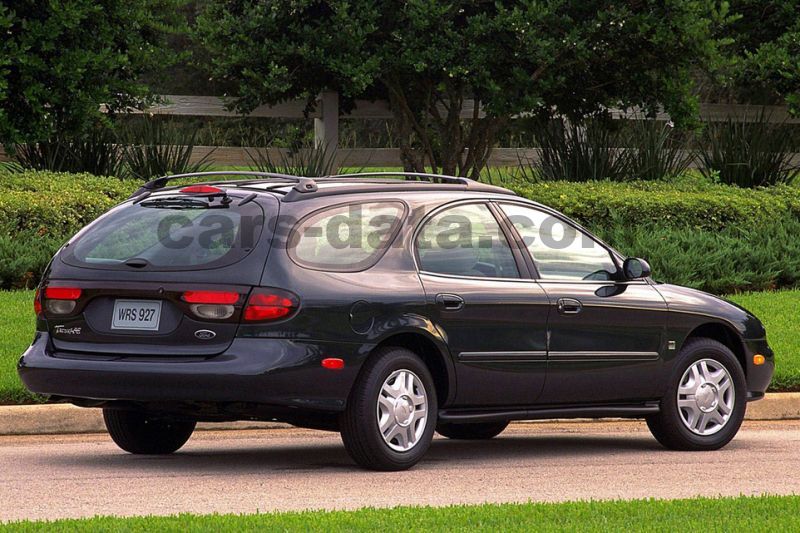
pixel 62 293
pixel 61 300
pixel 37 303
pixel 265 305
pixel 211 297
pixel 212 305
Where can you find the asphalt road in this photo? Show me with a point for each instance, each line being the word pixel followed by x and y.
pixel 260 471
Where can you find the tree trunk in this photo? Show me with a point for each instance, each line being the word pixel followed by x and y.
pixel 432 132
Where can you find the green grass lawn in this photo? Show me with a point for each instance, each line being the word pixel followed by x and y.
pixel 17 323
pixel 765 513
pixel 780 311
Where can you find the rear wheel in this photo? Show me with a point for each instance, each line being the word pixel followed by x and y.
pixel 391 413
pixel 706 400
pixel 139 433
pixel 479 431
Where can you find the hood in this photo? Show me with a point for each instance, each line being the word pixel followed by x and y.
pixel 684 299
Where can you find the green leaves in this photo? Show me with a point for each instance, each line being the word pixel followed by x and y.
pixel 427 57
pixel 60 60
pixel 763 61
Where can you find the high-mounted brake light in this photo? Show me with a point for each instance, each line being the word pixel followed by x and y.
pixel 202 189
pixel 269 304
pixel 211 297
pixel 62 293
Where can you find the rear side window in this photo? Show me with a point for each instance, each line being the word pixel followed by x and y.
pixel 169 236
pixel 346 238
pixel 465 240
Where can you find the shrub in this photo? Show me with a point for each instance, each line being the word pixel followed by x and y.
pixel 96 152
pixel 298 161
pixel 154 148
pixel 53 204
pixel 762 257
pixel 579 152
pixel 654 152
pixel 747 154
pixel 677 205
pixel 709 236
pixel 24 258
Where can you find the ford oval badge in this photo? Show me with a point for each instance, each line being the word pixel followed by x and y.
pixel 204 334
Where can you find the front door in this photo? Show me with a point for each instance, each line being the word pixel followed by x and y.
pixel 606 337
pixel 480 295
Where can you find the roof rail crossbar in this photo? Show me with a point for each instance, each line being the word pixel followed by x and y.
pixel 440 177
pixel 302 184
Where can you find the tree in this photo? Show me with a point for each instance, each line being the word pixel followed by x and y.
pixel 59 61
pixel 428 58
pixel 766 46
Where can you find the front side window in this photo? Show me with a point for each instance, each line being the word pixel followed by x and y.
pixel 560 250
pixel 465 240
pixel 346 238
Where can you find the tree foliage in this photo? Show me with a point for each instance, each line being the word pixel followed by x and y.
pixel 59 60
pixel 766 46
pixel 427 57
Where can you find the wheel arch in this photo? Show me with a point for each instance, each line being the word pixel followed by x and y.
pixel 433 353
pixel 723 334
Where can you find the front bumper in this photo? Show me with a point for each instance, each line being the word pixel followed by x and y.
pixel 758 376
pixel 279 372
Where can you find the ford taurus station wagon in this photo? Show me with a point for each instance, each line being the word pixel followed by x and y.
pixel 386 307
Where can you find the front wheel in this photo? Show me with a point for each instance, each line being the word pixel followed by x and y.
pixel 139 433
pixel 705 403
pixel 391 413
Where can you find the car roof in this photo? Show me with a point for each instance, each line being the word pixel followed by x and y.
pixel 297 188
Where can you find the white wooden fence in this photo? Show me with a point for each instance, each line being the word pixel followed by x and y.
pixel 326 117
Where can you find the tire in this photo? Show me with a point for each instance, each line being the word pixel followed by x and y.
pixel 140 434
pixel 478 431
pixel 671 426
pixel 409 433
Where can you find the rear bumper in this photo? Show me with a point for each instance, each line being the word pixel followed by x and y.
pixel 284 373
pixel 758 376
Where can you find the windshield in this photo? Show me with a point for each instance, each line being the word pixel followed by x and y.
pixel 169 234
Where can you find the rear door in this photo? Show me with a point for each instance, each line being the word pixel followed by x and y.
pixel 491 314
pixel 167 276
pixel 606 336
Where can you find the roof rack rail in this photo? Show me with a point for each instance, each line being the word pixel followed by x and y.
pixel 302 184
pixel 408 175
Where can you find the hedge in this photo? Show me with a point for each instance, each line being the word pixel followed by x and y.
pixel 713 237
pixel 53 204
pixel 666 204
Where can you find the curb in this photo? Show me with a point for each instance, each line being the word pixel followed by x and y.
pixel 57 419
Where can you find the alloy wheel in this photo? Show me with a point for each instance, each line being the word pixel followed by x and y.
pixel 402 410
pixel 706 397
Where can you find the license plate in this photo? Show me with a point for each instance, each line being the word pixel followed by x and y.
pixel 136 315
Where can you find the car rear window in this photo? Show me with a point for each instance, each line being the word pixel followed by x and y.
pixel 346 238
pixel 169 236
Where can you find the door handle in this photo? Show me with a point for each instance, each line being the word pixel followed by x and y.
pixel 450 302
pixel 569 306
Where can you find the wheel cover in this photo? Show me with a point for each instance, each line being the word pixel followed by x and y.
pixel 706 397
pixel 402 410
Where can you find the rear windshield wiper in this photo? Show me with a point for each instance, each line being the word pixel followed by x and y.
pixel 182 203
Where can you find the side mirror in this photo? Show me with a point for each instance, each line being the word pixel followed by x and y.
pixel 635 268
